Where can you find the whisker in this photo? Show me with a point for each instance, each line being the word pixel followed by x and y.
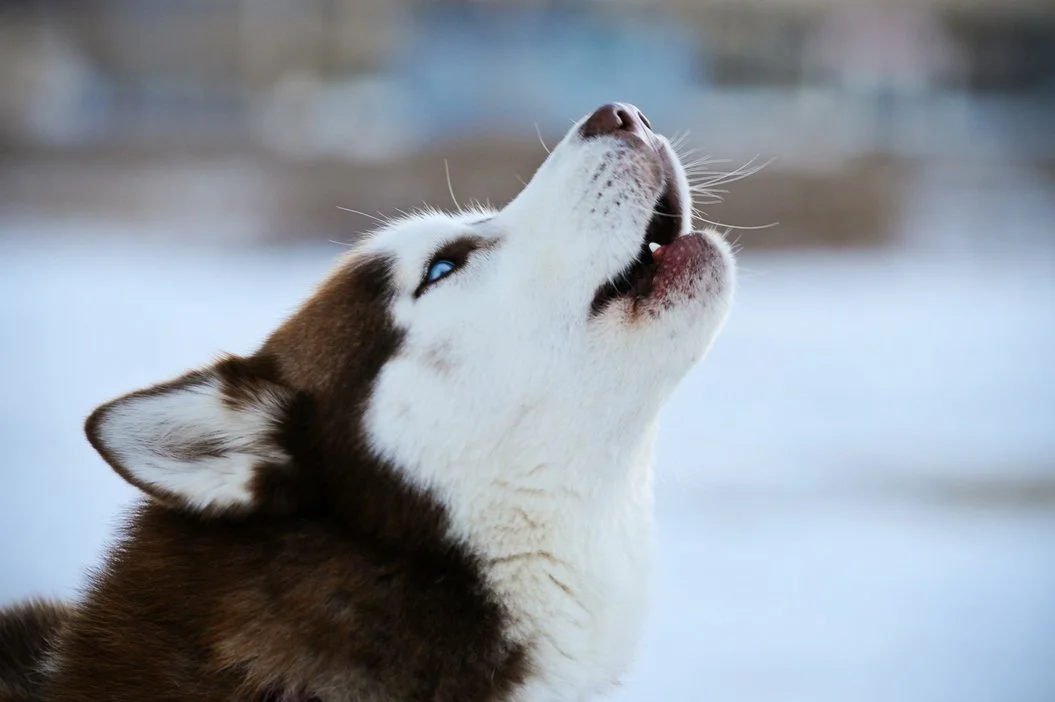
pixel 732 176
pixel 540 139
pixel 743 171
pixel 702 170
pixel 683 156
pixel 379 220
pixel 701 197
pixel 450 188
pixel 678 141
pixel 740 227
pixel 705 160
pixel 738 174
pixel 700 174
pixel 698 214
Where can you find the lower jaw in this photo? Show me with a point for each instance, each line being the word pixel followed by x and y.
pixel 676 276
pixel 671 276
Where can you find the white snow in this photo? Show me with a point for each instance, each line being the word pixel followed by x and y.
pixel 829 521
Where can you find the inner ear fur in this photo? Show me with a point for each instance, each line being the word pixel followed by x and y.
pixel 199 442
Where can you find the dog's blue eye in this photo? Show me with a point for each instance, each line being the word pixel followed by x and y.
pixel 439 269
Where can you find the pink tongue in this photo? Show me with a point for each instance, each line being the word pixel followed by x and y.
pixel 657 255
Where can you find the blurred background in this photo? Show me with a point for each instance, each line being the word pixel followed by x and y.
pixel 856 495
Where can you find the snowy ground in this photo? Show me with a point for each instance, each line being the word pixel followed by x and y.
pixel 857 490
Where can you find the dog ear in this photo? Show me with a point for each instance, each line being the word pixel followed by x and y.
pixel 198 442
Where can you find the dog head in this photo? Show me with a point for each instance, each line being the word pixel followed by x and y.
pixel 548 333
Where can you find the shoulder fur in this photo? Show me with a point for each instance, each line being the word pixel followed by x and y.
pixel 28 635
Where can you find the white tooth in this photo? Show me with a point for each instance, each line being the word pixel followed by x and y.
pixel 653 246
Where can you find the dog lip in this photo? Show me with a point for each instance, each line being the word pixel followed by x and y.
pixel 667 216
pixel 663 229
pixel 636 280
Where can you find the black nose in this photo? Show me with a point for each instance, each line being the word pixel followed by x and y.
pixel 613 118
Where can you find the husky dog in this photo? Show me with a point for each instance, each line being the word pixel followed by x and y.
pixel 433 482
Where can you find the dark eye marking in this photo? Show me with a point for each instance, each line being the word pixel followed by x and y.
pixel 449 259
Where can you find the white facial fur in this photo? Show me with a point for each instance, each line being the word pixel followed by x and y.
pixel 533 419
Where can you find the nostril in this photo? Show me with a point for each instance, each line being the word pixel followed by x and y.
pixel 644 120
pixel 606 120
pixel 626 118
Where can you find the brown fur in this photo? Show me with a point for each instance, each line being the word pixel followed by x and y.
pixel 338 583
pixel 28 634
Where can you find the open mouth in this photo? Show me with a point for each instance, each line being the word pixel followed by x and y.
pixel 635 281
